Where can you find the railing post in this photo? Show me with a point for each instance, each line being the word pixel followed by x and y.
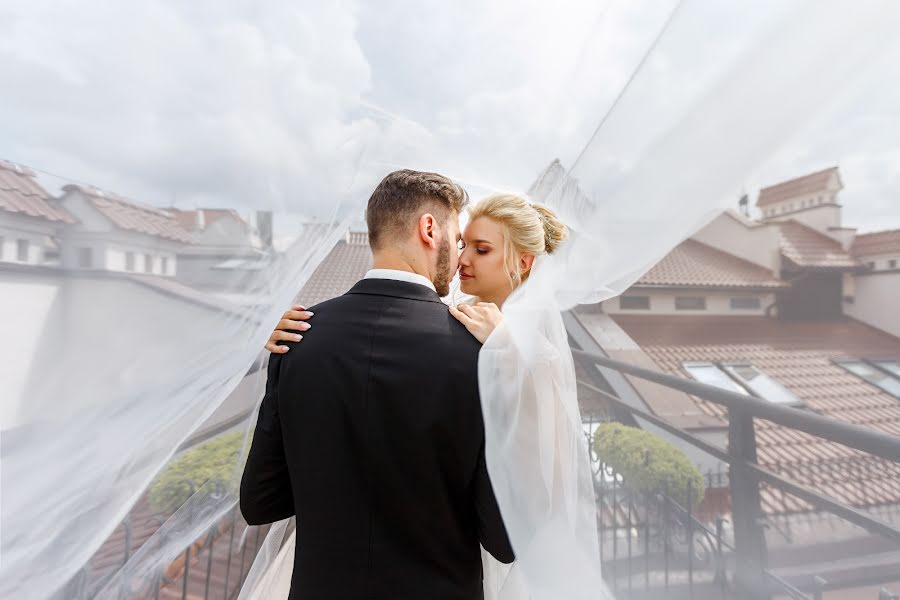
pixel 750 549
pixel 886 595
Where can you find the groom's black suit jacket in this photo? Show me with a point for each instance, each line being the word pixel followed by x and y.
pixel 371 433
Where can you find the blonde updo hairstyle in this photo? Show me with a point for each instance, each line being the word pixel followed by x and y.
pixel 529 228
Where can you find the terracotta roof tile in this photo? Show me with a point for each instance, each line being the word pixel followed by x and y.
pixel 133 217
pixel 188 218
pixel 800 357
pixel 346 264
pixel 876 242
pixel 806 247
pixel 20 193
pixel 808 184
pixel 693 263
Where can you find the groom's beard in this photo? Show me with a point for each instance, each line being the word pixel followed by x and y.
pixel 444 275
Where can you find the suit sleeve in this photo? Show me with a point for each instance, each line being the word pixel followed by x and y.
pixel 266 494
pixel 491 530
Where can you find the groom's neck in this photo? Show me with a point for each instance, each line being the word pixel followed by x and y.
pixel 398 262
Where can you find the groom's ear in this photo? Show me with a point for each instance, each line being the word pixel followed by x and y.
pixel 427 230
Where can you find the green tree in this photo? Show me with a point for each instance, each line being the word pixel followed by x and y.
pixel 648 463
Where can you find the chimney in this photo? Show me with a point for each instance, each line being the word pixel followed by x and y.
pixel 264 226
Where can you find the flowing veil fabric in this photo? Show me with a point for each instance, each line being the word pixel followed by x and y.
pixel 131 368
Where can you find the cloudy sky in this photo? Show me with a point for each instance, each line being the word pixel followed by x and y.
pixel 292 104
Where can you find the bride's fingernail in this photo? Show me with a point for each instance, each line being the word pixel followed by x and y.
pixel 298 337
pixel 305 326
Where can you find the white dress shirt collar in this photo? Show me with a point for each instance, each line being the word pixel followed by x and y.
pixel 396 275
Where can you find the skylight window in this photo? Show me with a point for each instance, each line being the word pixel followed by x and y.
pixel 742 378
pixel 761 384
pixel 880 373
pixel 889 365
pixel 710 374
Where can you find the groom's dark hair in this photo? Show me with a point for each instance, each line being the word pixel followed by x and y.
pixel 403 196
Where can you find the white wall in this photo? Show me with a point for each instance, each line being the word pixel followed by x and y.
pixel 877 301
pixel 881 262
pixel 25 306
pixel 823 218
pixel 758 244
pixel 75 343
pixel 662 302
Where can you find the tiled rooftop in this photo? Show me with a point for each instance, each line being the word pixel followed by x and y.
pixel 799 356
pixel 346 264
pixel 694 264
pixel 875 243
pixel 808 248
pixel 808 184
pixel 133 217
pixel 20 193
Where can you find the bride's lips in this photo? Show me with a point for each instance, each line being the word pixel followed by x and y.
pixel 465 276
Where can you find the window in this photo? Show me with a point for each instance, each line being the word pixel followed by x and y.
pixel 871 264
pixel 873 375
pixel 761 384
pixel 129 261
pixel 85 258
pixel 820 199
pixel 742 378
pixel 690 303
pixel 147 264
pixel 888 365
pixel 1 247
pixel 892 264
pixel 634 302
pixel 710 374
pixel 22 250
pixel 165 265
pixel 745 304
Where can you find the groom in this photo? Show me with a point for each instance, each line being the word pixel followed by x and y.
pixel 371 431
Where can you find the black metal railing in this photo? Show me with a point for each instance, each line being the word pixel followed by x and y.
pixel 721 555
pixel 212 567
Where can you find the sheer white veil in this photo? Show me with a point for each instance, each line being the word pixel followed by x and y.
pixel 131 371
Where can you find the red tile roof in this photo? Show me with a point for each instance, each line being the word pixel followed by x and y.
pixel 346 264
pixel 20 193
pixel 133 217
pixel 188 218
pixel 806 247
pixel 876 242
pixel 694 264
pixel 799 356
pixel 808 184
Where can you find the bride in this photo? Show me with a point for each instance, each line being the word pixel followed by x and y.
pixel 536 452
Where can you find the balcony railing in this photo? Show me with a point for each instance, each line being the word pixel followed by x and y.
pixel 652 545
pixel 669 547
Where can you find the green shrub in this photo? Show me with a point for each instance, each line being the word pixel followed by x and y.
pixel 648 463
pixel 212 461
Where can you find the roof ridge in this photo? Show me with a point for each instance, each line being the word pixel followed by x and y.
pixel 792 180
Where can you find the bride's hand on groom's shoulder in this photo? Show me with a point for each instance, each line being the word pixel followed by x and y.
pixel 480 319
pixel 293 320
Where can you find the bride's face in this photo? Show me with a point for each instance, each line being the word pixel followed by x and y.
pixel 482 270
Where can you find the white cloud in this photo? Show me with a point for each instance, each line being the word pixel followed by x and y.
pixel 234 103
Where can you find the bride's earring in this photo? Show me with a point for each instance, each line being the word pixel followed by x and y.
pixel 515 276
